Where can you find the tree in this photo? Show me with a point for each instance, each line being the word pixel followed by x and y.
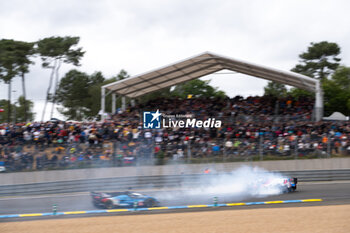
pixel 24 51
pixel 73 94
pixel 163 93
pixel 197 88
pixel 275 89
pixel 80 94
pixel 337 92
pixel 54 51
pixel 121 75
pixel 24 110
pixel 342 77
pixel 15 60
pixel 320 60
pixel 5 107
pixel 8 68
pixel 296 93
pixel 18 110
pixel 95 94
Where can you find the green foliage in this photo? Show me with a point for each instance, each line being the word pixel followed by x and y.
pixel 21 115
pixel 8 60
pixel 320 60
pixel 73 94
pixel 275 89
pixel 342 77
pixel 4 106
pixel 164 93
pixel 59 48
pixel 296 93
pixel 337 92
pixel 197 88
pixel 18 110
pixel 14 60
pixel 121 75
pixel 54 51
pixel 80 94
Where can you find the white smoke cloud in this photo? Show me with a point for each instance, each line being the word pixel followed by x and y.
pixel 242 183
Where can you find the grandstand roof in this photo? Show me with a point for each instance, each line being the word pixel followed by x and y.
pixel 201 65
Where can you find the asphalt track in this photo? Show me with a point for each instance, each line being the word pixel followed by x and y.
pixel 330 192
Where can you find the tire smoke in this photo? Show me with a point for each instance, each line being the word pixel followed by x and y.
pixel 242 183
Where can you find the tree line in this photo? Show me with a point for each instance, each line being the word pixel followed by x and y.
pixel 17 56
pixel 321 61
pixel 77 93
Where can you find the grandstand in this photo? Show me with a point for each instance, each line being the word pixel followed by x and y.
pixel 254 128
pixel 199 66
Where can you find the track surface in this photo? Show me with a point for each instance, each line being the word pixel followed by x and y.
pixel 330 192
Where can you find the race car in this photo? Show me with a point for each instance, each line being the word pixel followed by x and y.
pixel 285 184
pixel 290 184
pixel 110 200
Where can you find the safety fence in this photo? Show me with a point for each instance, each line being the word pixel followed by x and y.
pixel 149 182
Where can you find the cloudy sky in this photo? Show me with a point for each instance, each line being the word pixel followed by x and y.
pixel 139 36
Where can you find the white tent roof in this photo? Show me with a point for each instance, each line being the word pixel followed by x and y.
pixel 201 65
pixel 336 116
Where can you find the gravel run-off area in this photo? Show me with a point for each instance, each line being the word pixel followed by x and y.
pixel 334 218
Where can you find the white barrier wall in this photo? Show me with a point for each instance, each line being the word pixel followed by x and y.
pixel 95 173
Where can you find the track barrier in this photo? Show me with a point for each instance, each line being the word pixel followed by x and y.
pixel 147 182
pixel 157 208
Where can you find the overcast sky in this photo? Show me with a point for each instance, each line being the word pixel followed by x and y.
pixel 139 36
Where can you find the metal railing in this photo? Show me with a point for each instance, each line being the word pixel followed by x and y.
pixel 149 182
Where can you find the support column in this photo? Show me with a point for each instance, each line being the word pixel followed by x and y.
pixel 133 102
pixel 318 101
pixel 103 96
pixel 113 102
pixel 123 103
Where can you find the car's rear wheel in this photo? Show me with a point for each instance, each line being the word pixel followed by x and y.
pixel 150 203
pixel 109 204
pixel 96 204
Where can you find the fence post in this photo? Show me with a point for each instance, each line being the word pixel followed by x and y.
pixel 328 145
pixel 224 151
pixel 296 147
pixel 189 154
pixel 54 209
pixel 261 147
pixel 215 201
pixel 153 147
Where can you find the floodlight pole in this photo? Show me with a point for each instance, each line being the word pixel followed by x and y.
pixel 318 101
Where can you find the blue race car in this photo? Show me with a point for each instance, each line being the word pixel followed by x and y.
pixel 110 200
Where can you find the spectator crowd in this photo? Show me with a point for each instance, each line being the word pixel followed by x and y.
pixel 250 126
